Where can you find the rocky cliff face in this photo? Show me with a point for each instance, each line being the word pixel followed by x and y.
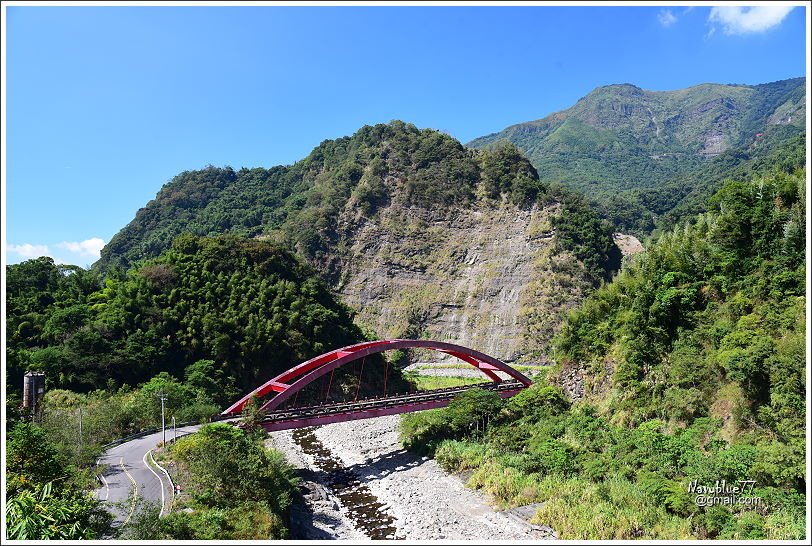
pixel 488 278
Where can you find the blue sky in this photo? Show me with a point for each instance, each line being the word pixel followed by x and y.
pixel 106 104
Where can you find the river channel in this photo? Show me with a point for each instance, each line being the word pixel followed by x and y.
pixel 359 483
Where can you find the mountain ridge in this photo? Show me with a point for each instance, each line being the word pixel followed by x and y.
pixel 420 235
pixel 620 138
pixel 638 90
pixel 649 159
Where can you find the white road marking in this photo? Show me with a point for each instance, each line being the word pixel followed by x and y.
pixel 104 481
pixel 168 477
pixel 106 488
pixel 163 489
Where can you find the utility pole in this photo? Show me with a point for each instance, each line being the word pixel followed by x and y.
pixel 174 431
pixel 80 429
pixel 162 397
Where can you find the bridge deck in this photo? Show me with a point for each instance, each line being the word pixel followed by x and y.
pixel 377 407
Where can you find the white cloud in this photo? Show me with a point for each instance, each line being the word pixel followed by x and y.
pixel 748 20
pixel 666 17
pixel 89 247
pixel 78 252
pixel 29 251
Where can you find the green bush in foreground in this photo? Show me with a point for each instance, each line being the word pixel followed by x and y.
pixel 226 466
pixel 237 490
pixel 42 514
pixel 46 498
pixel 246 521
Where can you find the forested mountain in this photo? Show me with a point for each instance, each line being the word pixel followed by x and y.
pixel 232 311
pixel 418 234
pixel 688 367
pixel 621 144
pixel 640 211
pixel 302 203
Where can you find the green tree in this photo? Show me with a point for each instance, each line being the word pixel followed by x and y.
pixel 229 467
pixel 31 459
pixel 45 499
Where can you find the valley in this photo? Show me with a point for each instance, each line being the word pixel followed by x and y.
pixel 362 484
pixel 643 264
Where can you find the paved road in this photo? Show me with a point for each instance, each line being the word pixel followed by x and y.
pixel 126 467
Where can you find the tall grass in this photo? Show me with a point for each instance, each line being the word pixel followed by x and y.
pixel 457 456
pixel 613 510
pixel 575 508
pixel 581 510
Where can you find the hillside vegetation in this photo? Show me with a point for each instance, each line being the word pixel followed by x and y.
pixel 694 364
pixel 301 203
pixel 716 302
pixel 421 236
pixel 620 144
pixel 250 306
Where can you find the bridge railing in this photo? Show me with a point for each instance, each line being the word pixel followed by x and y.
pixel 389 401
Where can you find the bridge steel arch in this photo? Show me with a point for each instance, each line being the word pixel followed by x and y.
pixel 289 382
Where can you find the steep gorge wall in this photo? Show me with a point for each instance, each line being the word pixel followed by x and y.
pixel 489 278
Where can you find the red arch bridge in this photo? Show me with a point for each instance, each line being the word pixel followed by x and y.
pixel 285 386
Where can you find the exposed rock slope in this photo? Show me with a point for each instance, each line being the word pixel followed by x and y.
pixel 490 278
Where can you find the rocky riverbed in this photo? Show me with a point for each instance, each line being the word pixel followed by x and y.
pixel 359 483
pixel 441 370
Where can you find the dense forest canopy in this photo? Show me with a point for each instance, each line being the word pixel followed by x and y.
pixel 248 305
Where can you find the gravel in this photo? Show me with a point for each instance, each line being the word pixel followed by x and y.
pixel 426 502
pixel 321 517
pixel 440 370
pixel 428 369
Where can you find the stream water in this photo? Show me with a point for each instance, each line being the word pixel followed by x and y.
pixel 362 507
